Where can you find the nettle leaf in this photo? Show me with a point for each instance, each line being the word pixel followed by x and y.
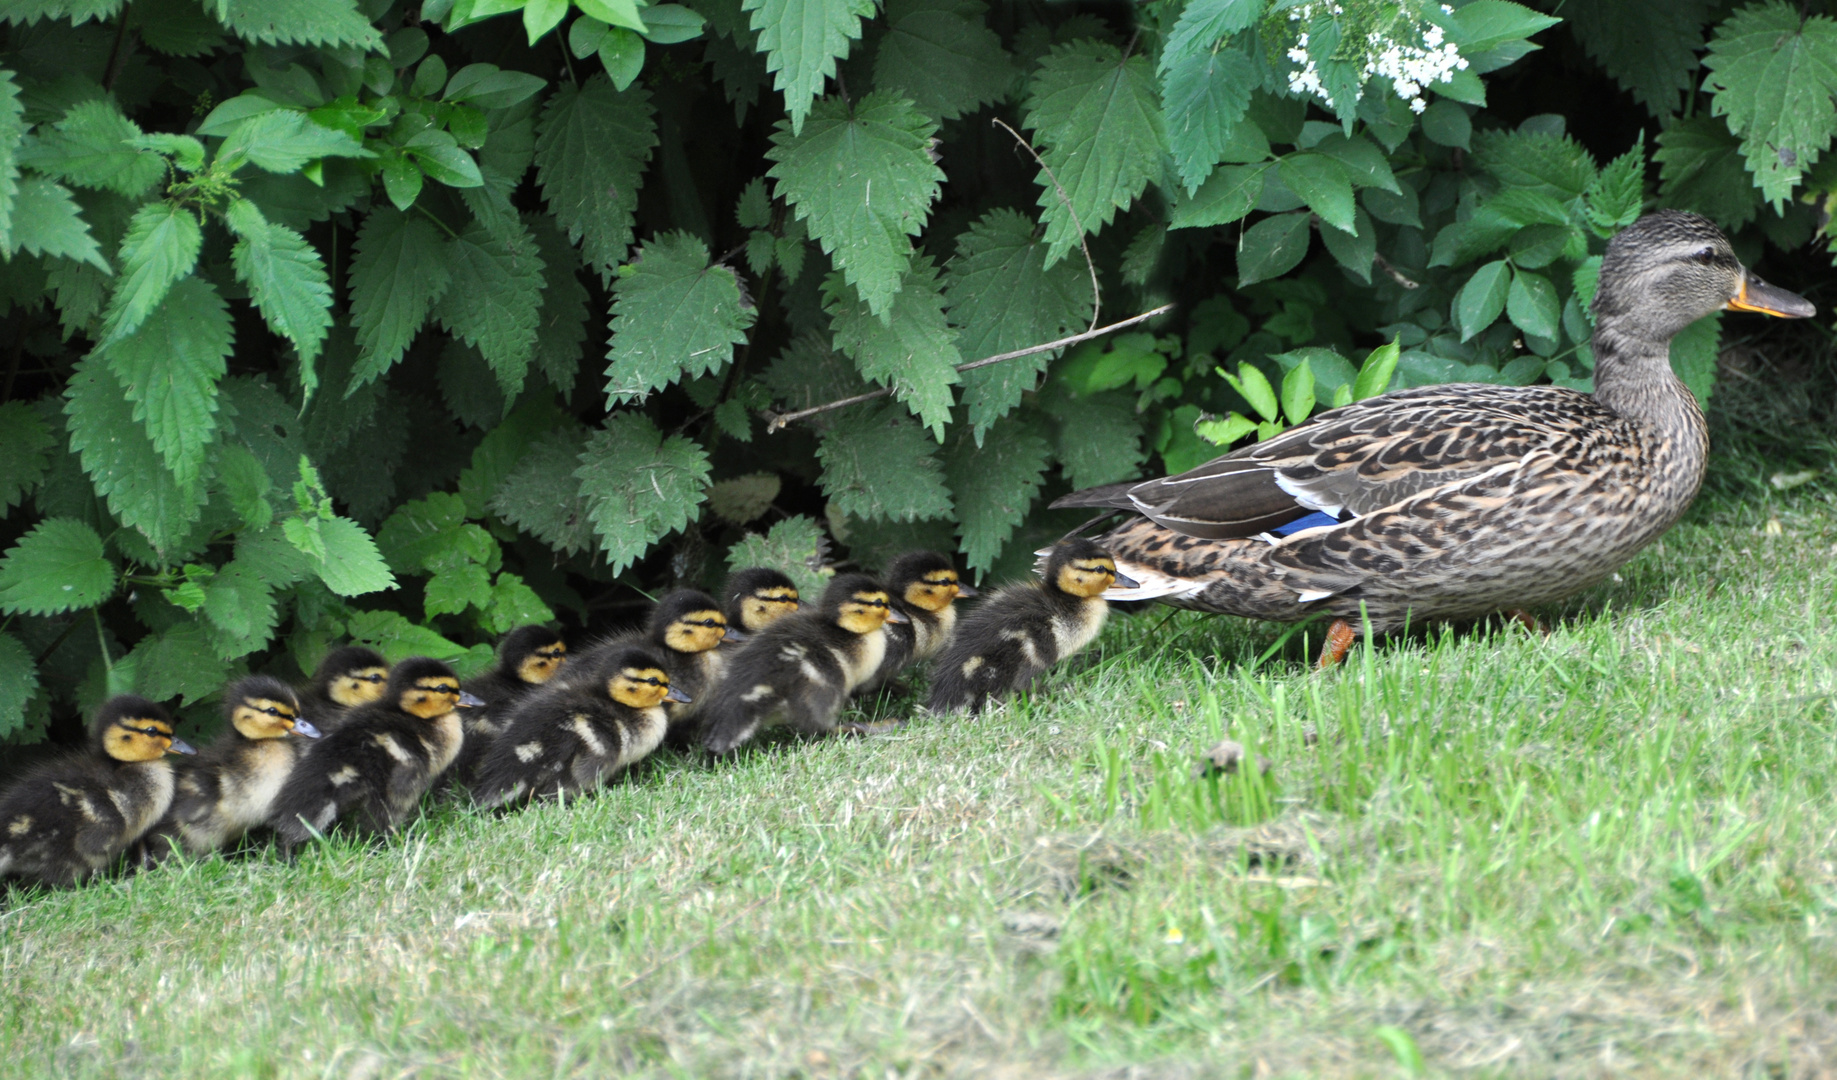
pixel 744 498
pixel 92 147
pixel 58 566
pixel 795 547
pixel 591 149
pixel 12 128
pixel 561 325
pixel 542 496
pixel 1206 93
pixel 809 372
pixel 304 22
pixel 1536 162
pixel 286 279
pixel 915 353
pixel 1648 46
pixel 863 180
pixel 1100 117
pixel 639 486
pixel 455 588
pixel 1615 198
pixel 400 269
pixel 492 302
pixel 878 464
pixel 170 368
pixel 994 486
pixel 352 566
pixel 802 39
pixel 122 461
pixel 431 532
pixel 503 446
pixel 284 141
pixel 161 246
pixel 1099 439
pixel 1693 355
pixel 674 315
pixel 943 55
pixel 1773 72
pixel 513 603
pixel 179 662
pixel 393 635
pixel 25 451
pixel 245 482
pixel 1203 23
pixel 18 682
pixel 1002 297
pixel 240 606
pixel 1700 169
pixel 47 221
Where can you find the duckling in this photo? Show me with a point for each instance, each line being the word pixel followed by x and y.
pixel 684 632
pixel 569 736
pixel 528 657
pixel 381 760
pixel 801 668
pixel 759 596
pixel 1024 629
pixel 924 586
pixel 65 820
pixel 345 679
pixel 229 788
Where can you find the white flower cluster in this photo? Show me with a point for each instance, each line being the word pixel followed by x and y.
pixel 1410 66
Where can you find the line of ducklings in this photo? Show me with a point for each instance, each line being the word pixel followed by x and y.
pixel 359 745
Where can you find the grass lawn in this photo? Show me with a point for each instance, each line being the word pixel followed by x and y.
pixel 1605 851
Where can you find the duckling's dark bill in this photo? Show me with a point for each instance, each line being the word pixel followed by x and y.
pixel 301 727
pixel 180 746
pixel 1757 295
pixel 677 696
pixel 469 700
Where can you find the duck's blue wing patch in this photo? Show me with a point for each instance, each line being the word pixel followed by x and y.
pixel 1312 521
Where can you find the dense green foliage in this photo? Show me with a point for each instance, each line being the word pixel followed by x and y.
pixel 305 299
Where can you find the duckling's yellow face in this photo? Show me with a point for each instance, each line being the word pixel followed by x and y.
pixel 264 718
pixel 140 738
pixel 435 695
pixel 696 631
pixel 763 607
pixel 935 591
pixel 540 666
pixel 639 687
pixel 1086 577
pixel 360 687
pixel 864 612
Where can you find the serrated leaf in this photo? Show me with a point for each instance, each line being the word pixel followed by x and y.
pixel 286 279
pixel 25 451
pixel 809 372
pixel 1203 23
pixel 801 40
pixel 122 462
pixel 1099 438
pixel 161 246
pixel 1693 356
pixel 243 479
pixel 639 486
pixel 400 269
pixel 179 662
pixel 455 588
pixel 1648 46
pixel 305 22
pixel 1206 93
pixel 754 209
pixel 428 533
pixel 943 55
pixel 46 221
pixel 1618 193
pixel 494 297
pixel 1002 297
pixel 512 604
pixel 1099 115
pixel 591 148
pixel 1700 169
pixel 1272 247
pixel 878 464
pixel 1536 162
pixel 284 141
pixel 1483 297
pixel 18 682
pixel 993 485
pixel 1773 72
pixel 561 324
pixel 240 605
pixel 542 496
pixel 58 566
pixel 863 180
pixel 169 369
pixel 398 639
pixel 795 547
pixel 744 498
pixel 914 353
pixel 674 315
pixel 12 128
pixel 352 566
pixel 91 146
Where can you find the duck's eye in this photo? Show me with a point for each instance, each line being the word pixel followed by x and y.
pixel 1706 256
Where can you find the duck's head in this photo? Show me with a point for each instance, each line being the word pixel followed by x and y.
pixel 1081 567
pixel 857 603
pixel 263 708
pixel 132 728
pixel 689 621
pixel 352 676
pixel 759 596
pixel 427 688
pixel 926 579
pixel 638 681
pixel 532 654
pixel 1671 268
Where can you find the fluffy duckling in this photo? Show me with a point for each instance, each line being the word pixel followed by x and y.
pixel 1024 629
pixel 528 657
pixel 684 633
pixel 924 587
pixel 800 669
pixel 345 679
pixel 759 596
pixel 231 786
pixel 570 736
pixel 381 760
pixel 65 820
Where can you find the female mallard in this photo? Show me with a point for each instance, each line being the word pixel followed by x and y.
pixel 1454 501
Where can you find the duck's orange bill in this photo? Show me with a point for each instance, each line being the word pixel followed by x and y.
pixel 1757 295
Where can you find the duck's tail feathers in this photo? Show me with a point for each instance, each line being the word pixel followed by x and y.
pixel 1113 496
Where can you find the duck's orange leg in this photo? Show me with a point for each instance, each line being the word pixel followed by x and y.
pixel 1333 650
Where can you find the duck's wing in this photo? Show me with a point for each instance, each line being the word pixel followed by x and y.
pixel 1357 458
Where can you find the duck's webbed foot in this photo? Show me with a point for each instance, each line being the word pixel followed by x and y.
pixel 1333 650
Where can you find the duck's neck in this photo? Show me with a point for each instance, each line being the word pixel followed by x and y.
pixel 1633 377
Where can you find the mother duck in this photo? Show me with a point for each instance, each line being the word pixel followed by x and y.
pixel 1454 501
